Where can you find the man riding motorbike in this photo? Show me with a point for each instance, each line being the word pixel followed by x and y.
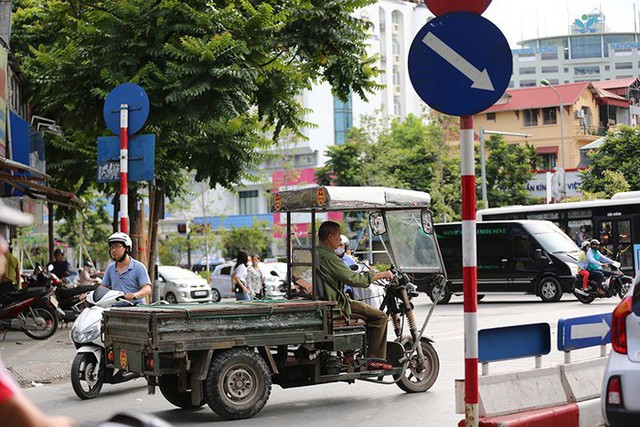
pixel 596 260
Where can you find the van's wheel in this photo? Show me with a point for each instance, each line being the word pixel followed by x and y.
pixel 420 377
pixel 549 289
pixel 169 387
pixel 238 384
pixel 445 295
pixel 215 295
pixel 171 298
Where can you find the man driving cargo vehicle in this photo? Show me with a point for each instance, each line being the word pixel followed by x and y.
pixel 334 274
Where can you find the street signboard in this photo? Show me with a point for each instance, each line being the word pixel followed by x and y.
pixel 513 342
pixel 460 63
pixel 582 332
pixel 141 158
pixel 138 106
pixel 440 7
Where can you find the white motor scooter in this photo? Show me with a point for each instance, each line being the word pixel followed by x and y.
pixel 89 370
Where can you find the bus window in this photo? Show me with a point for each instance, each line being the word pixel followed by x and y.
pixel 625 253
pixel 580 230
pixel 606 245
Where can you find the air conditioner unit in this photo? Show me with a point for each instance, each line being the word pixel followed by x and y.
pixel 396 28
pixel 579 114
pixel 396 59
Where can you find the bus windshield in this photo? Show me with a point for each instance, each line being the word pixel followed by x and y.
pixel 413 249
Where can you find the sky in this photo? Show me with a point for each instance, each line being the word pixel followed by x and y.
pixel 517 18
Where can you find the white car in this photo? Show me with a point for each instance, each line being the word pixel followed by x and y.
pixel 221 279
pixel 176 284
pixel 621 385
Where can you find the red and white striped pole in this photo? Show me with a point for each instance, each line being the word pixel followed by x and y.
pixel 469 272
pixel 124 170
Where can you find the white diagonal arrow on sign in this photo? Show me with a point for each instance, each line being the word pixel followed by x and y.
pixel 479 78
pixel 590 330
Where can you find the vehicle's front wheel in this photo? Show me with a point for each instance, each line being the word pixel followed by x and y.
pixel 238 384
pixel 171 298
pixel 42 322
pixel 87 376
pixel 169 387
pixel 215 295
pixel 445 294
pixel 419 377
pixel 625 285
pixel 549 289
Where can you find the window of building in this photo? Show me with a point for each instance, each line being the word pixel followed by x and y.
pixel 547 162
pixel 395 46
pixel 624 66
pixel 549 116
pixel 566 69
pixel 491 117
pixel 530 117
pixel 550 47
pixel 397 107
pixel 553 81
pixel 607 68
pixel 527 70
pixel 586 70
pixel 546 70
pixel 528 57
pixel 527 83
pixel 586 47
pixel 342 119
pixel 617 38
pixel 396 76
pixel 248 202
pixel 549 56
pixel 511 84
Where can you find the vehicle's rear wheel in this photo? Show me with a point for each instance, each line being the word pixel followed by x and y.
pixel 169 387
pixel 585 299
pixel 420 377
pixel 238 384
pixel 549 289
pixel 445 294
pixel 215 295
pixel 625 285
pixel 42 322
pixel 171 298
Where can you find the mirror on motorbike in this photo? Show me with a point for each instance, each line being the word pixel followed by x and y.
pixel 427 221
pixel 376 222
pixel 50 268
pixel 274 273
pixel 354 267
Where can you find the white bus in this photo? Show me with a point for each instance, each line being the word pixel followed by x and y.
pixel 615 222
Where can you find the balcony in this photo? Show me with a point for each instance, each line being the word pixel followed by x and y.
pixel 591 130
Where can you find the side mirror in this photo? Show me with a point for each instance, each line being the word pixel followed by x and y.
pixel 537 255
pixel 50 267
pixel 274 273
pixel 426 217
pixel 376 222
pixel 354 267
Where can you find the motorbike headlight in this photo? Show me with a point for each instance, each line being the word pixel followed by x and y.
pixel 86 335
pixel 574 268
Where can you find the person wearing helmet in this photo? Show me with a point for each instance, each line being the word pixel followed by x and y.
pixel 583 271
pixel 61 266
pixel 596 260
pixel 126 274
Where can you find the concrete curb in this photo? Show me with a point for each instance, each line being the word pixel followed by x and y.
pixel 583 414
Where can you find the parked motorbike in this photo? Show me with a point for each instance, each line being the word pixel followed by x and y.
pixel 30 310
pixel 616 284
pixel 89 369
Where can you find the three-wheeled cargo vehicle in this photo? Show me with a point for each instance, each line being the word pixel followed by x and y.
pixel 229 354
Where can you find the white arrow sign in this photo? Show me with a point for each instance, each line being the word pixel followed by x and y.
pixel 589 330
pixel 479 78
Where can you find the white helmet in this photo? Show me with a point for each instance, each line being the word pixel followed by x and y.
pixel 344 240
pixel 121 238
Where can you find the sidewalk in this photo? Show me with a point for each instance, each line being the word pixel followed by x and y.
pixel 37 362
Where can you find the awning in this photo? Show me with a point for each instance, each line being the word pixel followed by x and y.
pixel 19 167
pixel 41 192
pixel 547 150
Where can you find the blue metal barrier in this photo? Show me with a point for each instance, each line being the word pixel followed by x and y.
pixel 582 332
pixel 513 342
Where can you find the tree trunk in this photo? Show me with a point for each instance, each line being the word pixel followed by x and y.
pixel 116 210
pixel 51 213
pixel 156 198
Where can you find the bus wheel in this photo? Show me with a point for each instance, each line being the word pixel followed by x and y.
pixel 445 294
pixel 549 289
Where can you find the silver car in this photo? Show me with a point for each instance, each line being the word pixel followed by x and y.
pixel 176 284
pixel 621 385
pixel 221 279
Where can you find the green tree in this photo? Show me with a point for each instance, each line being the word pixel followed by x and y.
pixel 615 164
pixel 172 249
pixel 508 170
pixel 254 239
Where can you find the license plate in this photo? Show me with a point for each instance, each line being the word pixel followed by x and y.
pixel 200 293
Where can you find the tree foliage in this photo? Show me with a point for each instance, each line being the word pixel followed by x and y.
pixel 615 164
pixel 254 239
pixel 220 75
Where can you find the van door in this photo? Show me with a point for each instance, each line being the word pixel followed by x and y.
pixel 615 240
pixel 525 265
pixel 495 262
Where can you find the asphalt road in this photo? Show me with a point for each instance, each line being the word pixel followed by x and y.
pixel 361 403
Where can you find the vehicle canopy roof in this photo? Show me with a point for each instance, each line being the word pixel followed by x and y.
pixel 328 198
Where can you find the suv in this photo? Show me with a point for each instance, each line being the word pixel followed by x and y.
pixel 621 384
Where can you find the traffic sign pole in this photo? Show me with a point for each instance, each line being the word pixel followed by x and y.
pixel 124 161
pixel 469 272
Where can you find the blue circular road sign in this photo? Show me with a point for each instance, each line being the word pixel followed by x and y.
pixel 138 105
pixel 460 63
